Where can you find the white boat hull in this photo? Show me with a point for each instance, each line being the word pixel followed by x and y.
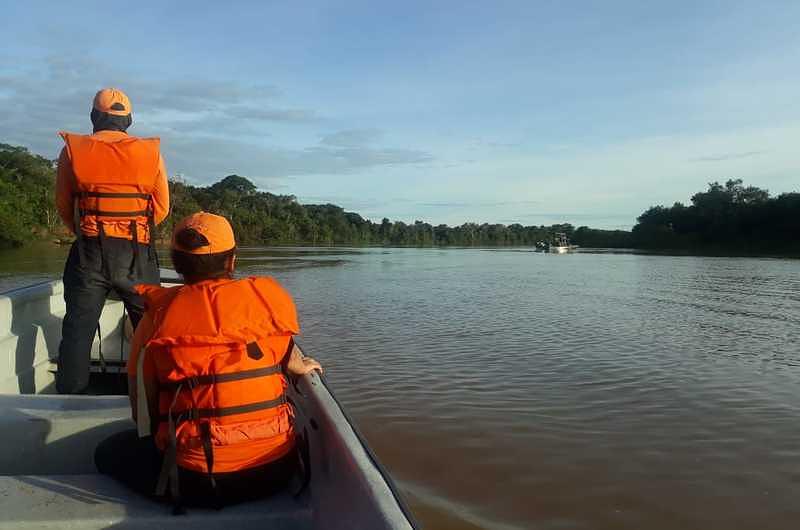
pixel 47 473
pixel 559 250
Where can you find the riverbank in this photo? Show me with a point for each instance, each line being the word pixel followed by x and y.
pixel 710 253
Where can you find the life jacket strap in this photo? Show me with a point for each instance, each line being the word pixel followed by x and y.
pixel 76 222
pixel 151 228
pixel 169 466
pixel 80 212
pixel 101 239
pixel 109 213
pixel 100 350
pixel 208 451
pixel 213 379
pixel 136 263
pixel 195 414
pixel 110 195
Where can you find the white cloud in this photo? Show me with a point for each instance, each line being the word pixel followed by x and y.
pixel 209 128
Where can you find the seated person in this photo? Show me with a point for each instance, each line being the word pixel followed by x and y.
pixel 207 376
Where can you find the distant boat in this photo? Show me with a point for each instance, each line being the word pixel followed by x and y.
pixel 560 244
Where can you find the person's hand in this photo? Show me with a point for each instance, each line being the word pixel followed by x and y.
pixel 309 365
pixel 299 364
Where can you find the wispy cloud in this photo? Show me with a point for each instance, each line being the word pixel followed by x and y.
pixel 209 128
pixel 247 112
pixel 576 215
pixel 359 204
pixel 478 143
pixel 478 204
pixel 727 156
pixel 211 158
pixel 351 137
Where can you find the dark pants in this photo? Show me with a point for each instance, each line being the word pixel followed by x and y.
pixel 105 267
pixel 136 462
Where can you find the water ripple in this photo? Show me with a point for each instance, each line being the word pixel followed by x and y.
pixel 583 391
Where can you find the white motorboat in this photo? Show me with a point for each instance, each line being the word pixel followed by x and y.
pixel 561 244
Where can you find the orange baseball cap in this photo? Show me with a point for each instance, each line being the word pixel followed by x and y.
pixel 113 101
pixel 215 228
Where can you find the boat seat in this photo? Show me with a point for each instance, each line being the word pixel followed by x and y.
pixel 95 501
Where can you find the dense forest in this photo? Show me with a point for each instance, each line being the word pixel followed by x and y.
pixel 262 217
pixel 27 196
pixel 725 218
pixel 27 211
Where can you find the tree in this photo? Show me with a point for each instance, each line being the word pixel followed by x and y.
pixel 729 217
pixel 26 195
pixel 235 184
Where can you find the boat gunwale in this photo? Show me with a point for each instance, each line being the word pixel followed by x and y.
pixel 373 458
pixel 19 293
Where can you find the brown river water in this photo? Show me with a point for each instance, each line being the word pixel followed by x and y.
pixel 505 389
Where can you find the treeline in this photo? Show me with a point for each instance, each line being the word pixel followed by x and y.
pixel 27 211
pixel 725 218
pixel 264 218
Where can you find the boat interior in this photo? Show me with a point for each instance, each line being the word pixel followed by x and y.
pixel 47 474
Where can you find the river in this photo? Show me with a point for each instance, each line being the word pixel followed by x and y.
pixel 506 389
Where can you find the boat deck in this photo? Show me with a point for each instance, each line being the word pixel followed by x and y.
pixel 49 480
pixel 95 501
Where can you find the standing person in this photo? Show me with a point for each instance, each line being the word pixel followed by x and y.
pixel 207 380
pixel 111 192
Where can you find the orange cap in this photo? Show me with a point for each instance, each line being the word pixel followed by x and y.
pixel 113 101
pixel 215 228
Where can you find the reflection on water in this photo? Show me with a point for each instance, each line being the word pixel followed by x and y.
pixel 519 390
pixel 288 259
pixel 30 264
pixel 44 261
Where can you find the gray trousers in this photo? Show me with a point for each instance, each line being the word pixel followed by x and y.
pixel 106 265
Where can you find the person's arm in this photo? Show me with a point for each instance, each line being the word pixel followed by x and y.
pixel 64 187
pixel 161 193
pixel 295 363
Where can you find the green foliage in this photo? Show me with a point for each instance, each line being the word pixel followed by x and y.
pixel 729 217
pixel 591 237
pixel 726 217
pixel 27 209
pixel 264 218
pixel 235 184
pixel 26 195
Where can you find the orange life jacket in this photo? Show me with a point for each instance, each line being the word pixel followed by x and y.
pixel 114 183
pixel 217 348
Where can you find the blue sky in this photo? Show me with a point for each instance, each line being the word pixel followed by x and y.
pixel 530 112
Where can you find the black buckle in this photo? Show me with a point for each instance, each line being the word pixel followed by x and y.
pixel 192 382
